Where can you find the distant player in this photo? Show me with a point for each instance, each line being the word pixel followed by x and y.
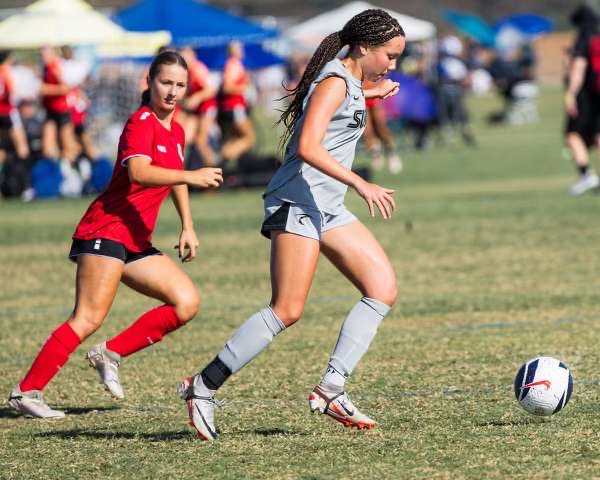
pixel 10 120
pixel 234 107
pixel 112 244
pixel 305 216
pixel 378 135
pixel 200 105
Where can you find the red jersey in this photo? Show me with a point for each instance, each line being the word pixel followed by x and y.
pixel 235 70
pixel 198 81
pixel 6 87
pixel 126 212
pixel 53 76
pixel 79 106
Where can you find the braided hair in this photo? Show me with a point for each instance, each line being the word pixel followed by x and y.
pixel 369 28
pixel 165 57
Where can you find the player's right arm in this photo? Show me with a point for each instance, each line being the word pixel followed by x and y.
pixel 142 172
pixel 324 101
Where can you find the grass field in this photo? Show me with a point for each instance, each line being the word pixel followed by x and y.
pixel 496 264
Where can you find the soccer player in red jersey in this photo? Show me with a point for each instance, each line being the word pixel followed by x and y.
pixel 234 106
pixel 201 106
pixel 112 244
pixel 58 137
pixel 10 120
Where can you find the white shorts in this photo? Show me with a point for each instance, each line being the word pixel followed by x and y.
pixel 300 219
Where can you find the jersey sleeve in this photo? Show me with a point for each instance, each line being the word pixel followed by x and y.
pixel 581 47
pixel 137 139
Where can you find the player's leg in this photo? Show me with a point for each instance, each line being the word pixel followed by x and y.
pixel 355 253
pixel 372 143
pixel 383 132
pixel 293 264
pixel 50 139
pixel 205 124
pixel 181 301
pixel 96 285
pixel 243 139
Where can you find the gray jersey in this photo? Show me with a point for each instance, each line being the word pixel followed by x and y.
pixel 298 182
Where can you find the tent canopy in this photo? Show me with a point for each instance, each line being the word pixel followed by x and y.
pixel 311 32
pixel 191 23
pixel 65 22
pixel 473 26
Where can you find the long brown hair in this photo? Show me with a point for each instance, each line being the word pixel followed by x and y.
pixel 166 57
pixel 369 28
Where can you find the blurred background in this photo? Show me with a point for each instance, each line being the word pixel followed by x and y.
pixel 71 72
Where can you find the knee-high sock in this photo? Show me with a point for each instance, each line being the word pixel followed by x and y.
pixel 247 342
pixel 150 328
pixel 52 357
pixel 356 334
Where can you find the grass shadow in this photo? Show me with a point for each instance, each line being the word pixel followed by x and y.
pixel 111 435
pixel 6 412
pixel 88 410
pixel 511 423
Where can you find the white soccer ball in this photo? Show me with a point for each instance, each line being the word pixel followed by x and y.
pixel 543 386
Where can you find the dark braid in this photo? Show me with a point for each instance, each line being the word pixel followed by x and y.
pixel 369 28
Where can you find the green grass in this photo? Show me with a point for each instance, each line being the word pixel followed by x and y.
pixel 495 262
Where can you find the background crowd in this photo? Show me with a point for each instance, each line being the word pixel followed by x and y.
pixel 61 109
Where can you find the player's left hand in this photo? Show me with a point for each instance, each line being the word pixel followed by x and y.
pixel 385 89
pixel 187 241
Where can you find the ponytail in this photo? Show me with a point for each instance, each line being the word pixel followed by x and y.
pixel 327 51
pixel 145 98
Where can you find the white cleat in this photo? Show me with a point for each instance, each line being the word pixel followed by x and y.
pixel 201 409
pixel 395 164
pixel 32 404
pixel 107 364
pixel 339 407
pixel 586 182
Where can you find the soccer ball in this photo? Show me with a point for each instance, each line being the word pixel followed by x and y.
pixel 543 386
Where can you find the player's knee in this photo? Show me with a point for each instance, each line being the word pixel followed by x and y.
pixel 386 292
pixel 288 313
pixel 87 322
pixel 187 305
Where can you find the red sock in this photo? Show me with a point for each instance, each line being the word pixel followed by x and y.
pixel 53 355
pixel 150 328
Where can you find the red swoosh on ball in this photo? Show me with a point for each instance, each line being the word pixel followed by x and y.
pixel 546 383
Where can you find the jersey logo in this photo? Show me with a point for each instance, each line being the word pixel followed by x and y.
pixel 360 119
pixel 161 148
pixel 180 152
pixel 144 115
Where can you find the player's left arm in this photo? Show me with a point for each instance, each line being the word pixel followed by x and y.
pixel 187 238
pixel 384 89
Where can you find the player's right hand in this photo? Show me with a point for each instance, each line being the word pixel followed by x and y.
pixel 378 196
pixel 208 177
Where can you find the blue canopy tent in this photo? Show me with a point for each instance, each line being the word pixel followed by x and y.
pixel 206 28
pixel 473 26
pixel 528 24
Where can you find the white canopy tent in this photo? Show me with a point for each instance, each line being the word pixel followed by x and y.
pixel 73 22
pixel 310 33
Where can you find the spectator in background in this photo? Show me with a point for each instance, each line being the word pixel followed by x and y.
pixel 10 121
pixel 201 107
pixel 377 133
pixel 58 137
pixel 240 135
pixel 582 97
pixel 453 77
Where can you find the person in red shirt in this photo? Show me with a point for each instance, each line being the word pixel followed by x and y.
pixel 234 106
pixel 58 136
pixel 377 133
pixel 113 244
pixel 10 120
pixel 201 105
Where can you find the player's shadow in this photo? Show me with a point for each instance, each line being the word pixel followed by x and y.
pixel 111 435
pixel 6 412
pixel 511 423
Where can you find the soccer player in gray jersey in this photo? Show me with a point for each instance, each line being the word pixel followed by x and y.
pixel 305 215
